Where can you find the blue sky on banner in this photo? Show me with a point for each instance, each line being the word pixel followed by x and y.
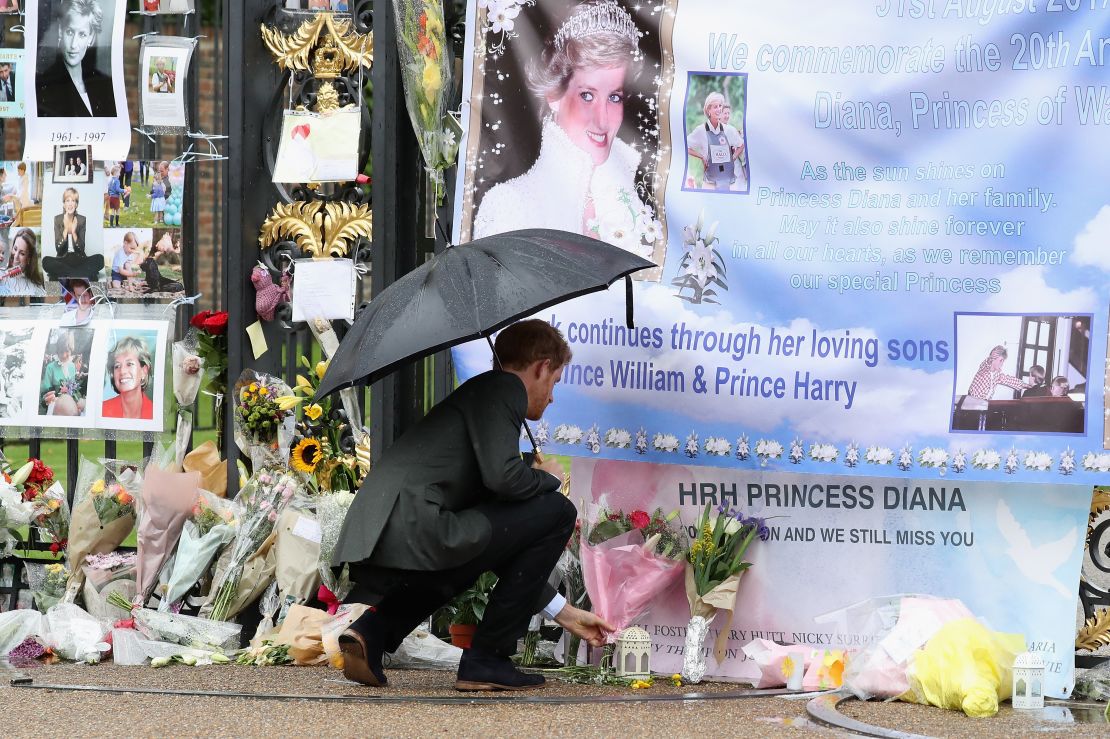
pixel 900 408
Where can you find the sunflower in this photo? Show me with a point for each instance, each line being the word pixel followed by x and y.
pixel 306 455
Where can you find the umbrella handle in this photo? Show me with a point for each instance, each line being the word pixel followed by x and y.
pixel 628 301
pixel 497 361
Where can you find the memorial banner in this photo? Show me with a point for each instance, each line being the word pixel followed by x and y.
pixel 881 237
pixel 1011 553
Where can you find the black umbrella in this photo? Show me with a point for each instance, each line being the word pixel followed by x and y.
pixel 470 291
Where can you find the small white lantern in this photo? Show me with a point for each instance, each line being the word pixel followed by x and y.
pixel 1029 681
pixel 633 654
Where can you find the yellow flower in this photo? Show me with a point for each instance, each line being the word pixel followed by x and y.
pixel 253 387
pixel 433 26
pixel 306 455
pixel 97 487
pixel 287 402
pixel 432 80
pixel 642 684
pixel 313 411
pixel 321 368
pixel 54 504
pixel 54 569
pixel 263 391
pixel 676 680
pixel 303 385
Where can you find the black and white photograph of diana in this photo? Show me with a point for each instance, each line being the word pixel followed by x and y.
pixel 75 57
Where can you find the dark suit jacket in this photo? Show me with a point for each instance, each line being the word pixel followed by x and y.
pixel 12 82
pixel 59 229
pixel 58 98
pixel 1037 391
pixel 415 508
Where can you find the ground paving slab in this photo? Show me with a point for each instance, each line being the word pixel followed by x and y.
pixel 344 709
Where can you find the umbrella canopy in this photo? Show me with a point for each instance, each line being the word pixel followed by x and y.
pixel 469 291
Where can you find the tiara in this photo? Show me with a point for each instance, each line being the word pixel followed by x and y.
pixel 605 17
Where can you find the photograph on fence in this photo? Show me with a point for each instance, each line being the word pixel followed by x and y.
pixel 569 117
pixel 164 68
pixel 147 194
pixel 73 164
pixel 11 83
pixel 9 6
pixel 20 263
pixel 339 6
pixel 1021 373
pixel 63 375
pixel 74 54
pixel 73 234
pixel 16 344
pixel 21 194
pixel 79 301
pixel 144 262
pixel 132 356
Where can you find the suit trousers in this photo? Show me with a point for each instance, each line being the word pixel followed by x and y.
pixel 526 540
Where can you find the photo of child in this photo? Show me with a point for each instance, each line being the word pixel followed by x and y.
pixel 162 75
pixel 64 381
pixel 158 199
pixel 144 263
pixel 149 194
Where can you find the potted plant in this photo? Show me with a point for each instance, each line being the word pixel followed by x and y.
pixel 466 609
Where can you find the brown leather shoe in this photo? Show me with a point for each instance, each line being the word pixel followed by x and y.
pixel 356 666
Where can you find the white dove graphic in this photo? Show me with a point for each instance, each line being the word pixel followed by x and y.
pixel 1038 563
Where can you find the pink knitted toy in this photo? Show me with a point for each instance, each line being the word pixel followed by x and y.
pixel 268 295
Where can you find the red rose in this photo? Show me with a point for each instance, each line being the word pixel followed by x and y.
pixel 198 320
pixel 216 323
pixel 639 519
pixel 29 494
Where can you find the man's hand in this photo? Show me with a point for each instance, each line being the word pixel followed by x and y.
pixel 550 466
pixel 584 624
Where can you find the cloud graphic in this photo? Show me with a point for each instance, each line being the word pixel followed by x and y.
pixel 1024 290
pixel 1092 244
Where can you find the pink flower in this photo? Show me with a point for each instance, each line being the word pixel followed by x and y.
pixel 264 505
pixel 272 516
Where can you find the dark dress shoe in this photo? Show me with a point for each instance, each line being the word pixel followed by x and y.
pixel 361 663
pixel 483 671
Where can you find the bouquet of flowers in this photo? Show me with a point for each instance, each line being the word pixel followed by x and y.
pixel 103 514
pixel 210 525
pixel 105 574
pixel 247 564
pixel 628 560
pixel 264 417
pixel 325 447
pixel 14 512
pixel 210 336
pixel 715 563
pixel 50 512
pixel 188 375
pixel 426 73
pixel 331 511
pixel 297 554
pixel 168 499
pixel 47 583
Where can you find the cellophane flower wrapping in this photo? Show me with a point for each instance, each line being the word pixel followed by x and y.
pixel 297 553
pixel 211 525
pixel 624 572
pixel 189 631
pixel 47 583
pixel 50 513
pixel 168 499
pixel 264 418
pixel 103 513
pixel 105 574
pixel 18 625
pixel 75 635
pixel 426 74
pixel 331 511
pixel 188 376
pixel 262 501
pixel 14 513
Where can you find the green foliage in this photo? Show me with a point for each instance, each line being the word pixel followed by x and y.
pixel 469 606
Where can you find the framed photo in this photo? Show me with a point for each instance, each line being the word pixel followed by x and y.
pixel 62 379
pixel 11 78
pixel 73 164
pixel 164 69
pixel 9 6
pixel 129 363
pixel 68 40
pixel 72 242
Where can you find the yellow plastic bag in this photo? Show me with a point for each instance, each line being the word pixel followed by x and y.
pixel 964 667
